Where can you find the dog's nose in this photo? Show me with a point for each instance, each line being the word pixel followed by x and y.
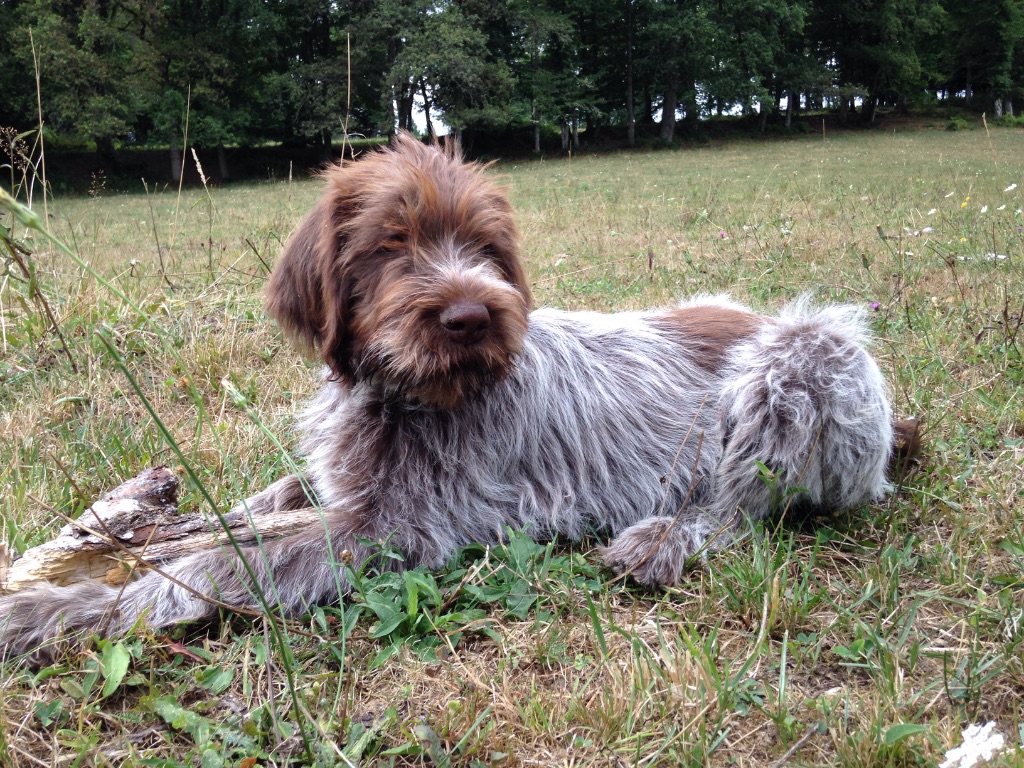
pixel 466 322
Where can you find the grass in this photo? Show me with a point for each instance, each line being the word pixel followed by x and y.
pixel 870 639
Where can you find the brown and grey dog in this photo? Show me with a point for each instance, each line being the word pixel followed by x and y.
pixel 450 411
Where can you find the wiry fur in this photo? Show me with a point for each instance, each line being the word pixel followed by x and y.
pixel 449 412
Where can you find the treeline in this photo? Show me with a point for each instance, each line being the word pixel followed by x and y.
pixel 305 71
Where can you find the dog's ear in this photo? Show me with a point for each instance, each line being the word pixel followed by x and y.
pixel 294 295
pixel 510 261
pixel 310 290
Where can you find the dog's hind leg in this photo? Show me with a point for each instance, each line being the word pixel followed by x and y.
pixel 805 418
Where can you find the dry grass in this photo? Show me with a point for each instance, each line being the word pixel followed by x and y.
pixel 806 645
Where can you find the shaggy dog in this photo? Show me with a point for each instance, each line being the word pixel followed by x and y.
pixel 450 412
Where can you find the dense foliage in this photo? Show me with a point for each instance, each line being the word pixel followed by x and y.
pixel 304 70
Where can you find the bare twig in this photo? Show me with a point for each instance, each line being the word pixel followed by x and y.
pixel 39 108
pixel 796 747
pixel 19 255
pixel 156 239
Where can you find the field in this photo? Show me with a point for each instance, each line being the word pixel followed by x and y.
pixel 870 639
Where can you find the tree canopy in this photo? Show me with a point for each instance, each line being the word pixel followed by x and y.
pixel 251 71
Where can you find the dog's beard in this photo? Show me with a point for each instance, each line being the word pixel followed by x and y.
pixel 441 376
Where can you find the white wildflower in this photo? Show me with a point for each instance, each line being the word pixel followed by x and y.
pixel 932 211
pixel 1001 207
pixel 980 744
pixel 927 231
pixel 1010 188
pixel 984 209
pixel 951 194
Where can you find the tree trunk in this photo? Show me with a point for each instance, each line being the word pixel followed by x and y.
pixel 997 109
pixel 565 135
pixel 630 113
pixel 222 163
pixel 426 111
pixel 647 116
pixel 175 164
pixel 405 100
pixel 107 155
pixel 691 110
pixel 669 104
pixel 536 130
pixel 394 105
pixel 576 131
pixel 870 109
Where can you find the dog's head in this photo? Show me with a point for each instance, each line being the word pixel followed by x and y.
pixel 407 273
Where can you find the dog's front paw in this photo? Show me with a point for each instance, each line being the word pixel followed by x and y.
pixel 654 551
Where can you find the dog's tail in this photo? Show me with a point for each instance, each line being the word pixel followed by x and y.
pixel 805 416
pixel 285 575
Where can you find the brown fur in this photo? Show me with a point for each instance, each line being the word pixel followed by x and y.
pixel 711 331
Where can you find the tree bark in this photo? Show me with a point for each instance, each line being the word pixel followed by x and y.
pixel 405 107
pixel 426 111
pixel 222 163
pixel 323 145
pixel 175 164
pixel 139 521
pixel 536 130
pixel 630 112
pixel 668 110
pixel 647 116
pixel 691 110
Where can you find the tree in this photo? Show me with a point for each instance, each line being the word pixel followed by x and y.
pixel 986 48
pixel 678 41
pixel 96 64
pixel 450 59
pixel 876 44
pixel 212 56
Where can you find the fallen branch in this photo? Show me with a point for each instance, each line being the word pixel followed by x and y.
pixel 137 521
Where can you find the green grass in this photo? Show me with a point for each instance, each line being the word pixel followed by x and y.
pixel 820 645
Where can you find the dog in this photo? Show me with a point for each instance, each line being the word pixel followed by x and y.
pixel 450 412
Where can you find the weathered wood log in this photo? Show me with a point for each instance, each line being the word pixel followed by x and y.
pixel 139 521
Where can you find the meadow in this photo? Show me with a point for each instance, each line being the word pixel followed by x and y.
pixel 871 638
